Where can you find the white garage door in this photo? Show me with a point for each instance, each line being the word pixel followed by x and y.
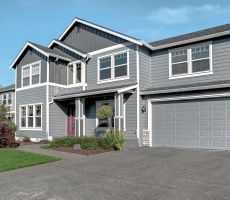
pixel 192 123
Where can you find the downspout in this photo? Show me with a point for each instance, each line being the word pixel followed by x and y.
pixel 47 101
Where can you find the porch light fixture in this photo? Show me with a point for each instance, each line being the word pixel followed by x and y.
pixel 143 109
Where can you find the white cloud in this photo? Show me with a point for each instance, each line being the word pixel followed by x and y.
pixel 185 14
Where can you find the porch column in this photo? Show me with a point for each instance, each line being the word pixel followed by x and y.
pixel 119 112
pixel 80 117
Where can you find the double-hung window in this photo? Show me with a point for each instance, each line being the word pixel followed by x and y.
pixel 75 73
pixel 7 99
pixel 191 61
pixel 112 67
pixel 31 74
pixel 31 116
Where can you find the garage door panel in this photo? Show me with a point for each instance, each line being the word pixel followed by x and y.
pixel 192 123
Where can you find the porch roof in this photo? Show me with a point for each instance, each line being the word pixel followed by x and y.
pixel 116 89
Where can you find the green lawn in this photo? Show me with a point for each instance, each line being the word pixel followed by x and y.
pixel 12 159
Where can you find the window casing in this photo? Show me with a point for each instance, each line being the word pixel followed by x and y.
pixel 7 98
pixel 31 116
pixel 31 74
pixel 191 61
pixel 115 66
pixel 75 73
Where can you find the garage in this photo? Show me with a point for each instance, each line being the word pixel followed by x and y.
pixel 194 123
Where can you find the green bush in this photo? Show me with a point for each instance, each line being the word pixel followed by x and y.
pixel 102 143
pixel 26 139
pixel 10 125
pixel 104 112
pixel 115 139
pixel 90 142
pixel 64 142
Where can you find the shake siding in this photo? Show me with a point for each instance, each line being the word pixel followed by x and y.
pixel 221 68
pixel 89 39
pixel 30 57
pixel 32 96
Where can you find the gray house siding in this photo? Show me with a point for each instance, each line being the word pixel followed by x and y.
pixel 31 56
pixel 89 39
pixel 90 117
pixel 58 72
pixel 221 68
pixel 31 96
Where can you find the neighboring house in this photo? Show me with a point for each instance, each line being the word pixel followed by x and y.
pixel 7 97
pixel 173 92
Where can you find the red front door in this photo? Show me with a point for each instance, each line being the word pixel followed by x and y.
pixel 71 121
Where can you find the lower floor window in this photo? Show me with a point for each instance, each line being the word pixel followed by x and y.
pixel 31 116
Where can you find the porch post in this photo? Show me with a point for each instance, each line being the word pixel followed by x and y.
pixel 80 117
pixel 119 112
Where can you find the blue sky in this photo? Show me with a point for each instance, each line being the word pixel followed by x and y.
pixel 40 21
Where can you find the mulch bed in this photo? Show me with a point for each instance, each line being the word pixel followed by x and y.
pixel 85 152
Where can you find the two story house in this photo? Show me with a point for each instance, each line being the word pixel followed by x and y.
pixel 7 97
pixel 173 92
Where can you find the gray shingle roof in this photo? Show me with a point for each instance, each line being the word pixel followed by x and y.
pixel 7 88
pixel 50 51
pixel 188 87
pixel 209 31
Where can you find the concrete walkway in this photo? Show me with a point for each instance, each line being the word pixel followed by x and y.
pixel 133 174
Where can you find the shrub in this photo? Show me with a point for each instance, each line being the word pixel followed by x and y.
pixel 104 112
pixel 90 142
pixel 10 124
pixel 64 142
pixel 26 139
pixel 102 143
pixel 115 139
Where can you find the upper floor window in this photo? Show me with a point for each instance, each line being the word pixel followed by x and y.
pixel 192 61
pixel 7 98
pixel 75 73
pixel 113 66
pixel 31 74
pixel 31 116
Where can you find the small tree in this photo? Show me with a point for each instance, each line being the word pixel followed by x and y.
pixel 3 112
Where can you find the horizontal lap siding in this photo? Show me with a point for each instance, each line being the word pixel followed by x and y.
pixel 92 70
pixel 32 96
pixel 221 68
pixel 90 117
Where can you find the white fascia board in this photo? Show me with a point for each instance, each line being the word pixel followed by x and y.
pixel 67 47
pixel 139 42
pixel 23 49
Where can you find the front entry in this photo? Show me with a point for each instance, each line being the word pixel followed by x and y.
pixel 71 121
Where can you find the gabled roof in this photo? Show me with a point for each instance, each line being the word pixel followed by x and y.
pixel 192 37
pixel 102 28
pixel 7 88
pixel 43 50
pixel 69 47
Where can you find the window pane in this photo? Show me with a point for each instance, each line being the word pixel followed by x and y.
pixel 30 111
pixel 70 74
pixel 200 52
pixel 23 122
pixel 38 121
pixel 121 71
pixel 38 110
pixel 180 68
pixel 105 73
pixel 121 59
pixel 23 111
pixel 35 69
pixel 26 81
pixel 35 79
pixel 105 62
pixel 200 65
pixel 78 73
pixel 30 121
pixel 179 56
pixel 26 72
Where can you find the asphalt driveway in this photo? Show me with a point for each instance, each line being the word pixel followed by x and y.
pixel 138 173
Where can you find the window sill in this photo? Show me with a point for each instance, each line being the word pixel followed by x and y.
pixel 76 85
pixel 112 80
pixel 30 129
pixel 191 75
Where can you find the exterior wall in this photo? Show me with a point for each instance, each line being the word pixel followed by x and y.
pixel 221 69
pixel 31 96
pixel 58 72
pixel 31 56
pixel 89 39
pixel 90 117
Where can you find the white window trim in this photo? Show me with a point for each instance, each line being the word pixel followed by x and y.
pixel 30 76
pixel 7 98
pixel 30 128
pixel 113 78
pixel 189 61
